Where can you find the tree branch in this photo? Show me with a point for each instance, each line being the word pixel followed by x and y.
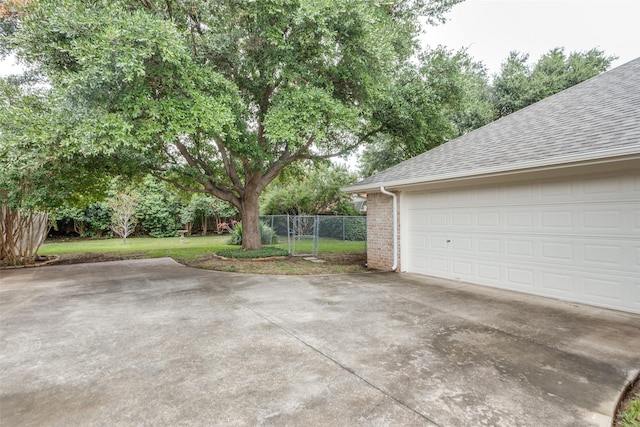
pixel 229 166
pixel 264 107
pixel 208 184
pixel 180 186
pixel 275 168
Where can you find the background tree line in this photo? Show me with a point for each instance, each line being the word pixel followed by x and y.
pixel 160 209
pixel 450 94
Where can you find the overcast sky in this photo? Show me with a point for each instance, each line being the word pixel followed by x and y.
pixel 490 29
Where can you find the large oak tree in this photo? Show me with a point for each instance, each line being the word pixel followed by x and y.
pixel 217 96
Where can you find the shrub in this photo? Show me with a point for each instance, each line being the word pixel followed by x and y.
pixel 355 227
pixel 98 217
pixel 158 211
pixel 267 235
pixel 236 235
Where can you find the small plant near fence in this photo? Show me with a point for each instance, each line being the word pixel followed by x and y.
pixel 267 234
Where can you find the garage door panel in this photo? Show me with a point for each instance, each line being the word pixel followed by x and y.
pixel 461 219
pixel 606 255
pixel 490 273
pixel 558 283
pixel 581 220
pixel 556 190
pixel 419 241
pixel 560 220
pixel 557 251
pixel 520 278
pixel 418 220
pixel 464 244
pixel 598 220
pixel 463 269
pixel 488 245
pixel 488 219
pixel 538 240
pixel 439 219
pixel 519 220
pixel 437 242
pixel 439 265
pixel 567 251
pixel 520 248
pixel 599 289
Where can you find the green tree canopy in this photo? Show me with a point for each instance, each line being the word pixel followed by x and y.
pixel 317 190
pixel 37 169
pixel 519 84
pixel 451 95
pixel 218 96
pixel 444 97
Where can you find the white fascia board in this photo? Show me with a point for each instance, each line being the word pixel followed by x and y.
pixel 594 157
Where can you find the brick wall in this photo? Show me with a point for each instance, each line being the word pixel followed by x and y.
pixel 380 231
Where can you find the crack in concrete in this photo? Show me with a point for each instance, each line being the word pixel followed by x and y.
pixel 338 363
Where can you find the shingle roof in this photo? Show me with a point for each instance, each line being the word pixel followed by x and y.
pixel 593 118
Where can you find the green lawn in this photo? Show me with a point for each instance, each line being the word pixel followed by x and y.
pixel 193 247
pixel 325 245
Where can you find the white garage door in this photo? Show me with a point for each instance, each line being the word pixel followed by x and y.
pixel 576 239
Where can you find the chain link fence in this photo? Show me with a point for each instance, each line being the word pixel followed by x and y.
pixel 313 235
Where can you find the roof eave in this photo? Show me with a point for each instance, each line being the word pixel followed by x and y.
pixel 594 157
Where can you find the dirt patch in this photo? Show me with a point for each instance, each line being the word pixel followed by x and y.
pixel 83 258
pixel 334 264
pixel 294 265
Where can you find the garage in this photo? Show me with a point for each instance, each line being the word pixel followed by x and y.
pixel 575 239
pixel 544 201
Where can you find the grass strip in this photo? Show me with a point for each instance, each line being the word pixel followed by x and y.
pixel 265 252
pixel 630 414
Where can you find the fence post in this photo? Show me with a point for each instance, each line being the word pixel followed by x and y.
pixel 289 235
pixel 316 236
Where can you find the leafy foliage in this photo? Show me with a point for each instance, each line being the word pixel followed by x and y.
pixel 37 170
pixel 92 220
pixel 216 96
pixel 450 95
pixel 97 217
pixel 267 234
pixel 158 209
pixel 427 106
pixel 201 207
pixel 519 84
pixel 314 190
pixel 344 228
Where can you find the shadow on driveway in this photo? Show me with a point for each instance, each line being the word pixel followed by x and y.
pixel 150 342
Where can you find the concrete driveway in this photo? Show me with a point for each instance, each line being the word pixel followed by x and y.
pixel 151 342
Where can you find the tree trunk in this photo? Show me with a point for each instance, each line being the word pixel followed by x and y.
pixel 21 235
pixel 204 224
pixel 250 216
